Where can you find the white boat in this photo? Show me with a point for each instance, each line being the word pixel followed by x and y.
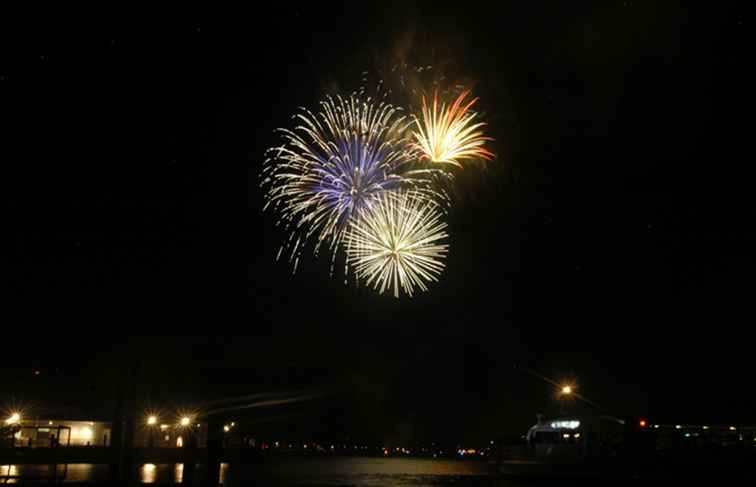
pixel 568 447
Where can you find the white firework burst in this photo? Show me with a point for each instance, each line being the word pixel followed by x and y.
pixel 396 242
pixel 336 162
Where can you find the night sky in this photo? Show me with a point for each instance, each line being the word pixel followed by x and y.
pixel 610 244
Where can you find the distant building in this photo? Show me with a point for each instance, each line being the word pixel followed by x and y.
pixel 41 433
pixel 53 433
pixel 169 435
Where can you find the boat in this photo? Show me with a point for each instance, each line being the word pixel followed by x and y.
pixel 568 447
pixel 607 448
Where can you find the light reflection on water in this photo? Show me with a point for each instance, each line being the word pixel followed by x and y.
pixel 75 472
pixel 178 472
pixel 365 472
pixel 149 473
pixel 386 466
pixel 362 472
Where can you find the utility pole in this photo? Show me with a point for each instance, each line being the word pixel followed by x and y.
pixel 122 433
pixel 215 438
pixel 116 433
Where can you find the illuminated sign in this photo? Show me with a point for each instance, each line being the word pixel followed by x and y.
pixel 570 425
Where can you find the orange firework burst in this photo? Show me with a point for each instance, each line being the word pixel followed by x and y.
pixel 449 134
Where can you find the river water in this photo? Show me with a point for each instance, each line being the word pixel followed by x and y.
pixel 340 472
pixel 290 472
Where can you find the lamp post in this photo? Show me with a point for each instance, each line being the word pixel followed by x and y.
pixel 564 395
pixel 189 447
pixel 152 421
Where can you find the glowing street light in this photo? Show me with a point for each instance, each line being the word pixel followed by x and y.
pixel 227 428
pixel 14 418
pixel 152 420
pixel 566 390
pixel 185 421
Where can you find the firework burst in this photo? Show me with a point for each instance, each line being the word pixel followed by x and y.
pixel 396 243
pixel 335 162
pixel 449 134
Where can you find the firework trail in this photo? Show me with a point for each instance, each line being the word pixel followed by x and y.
pixel 334 163
pixel 396 242
pixel 449 134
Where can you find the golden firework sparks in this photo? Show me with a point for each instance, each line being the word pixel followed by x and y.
pixel 449 134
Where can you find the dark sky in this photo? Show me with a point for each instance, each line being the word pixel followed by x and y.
pixel 611 242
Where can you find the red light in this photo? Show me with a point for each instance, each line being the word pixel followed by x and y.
pixel 642 423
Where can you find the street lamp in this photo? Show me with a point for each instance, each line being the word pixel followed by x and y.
pixel 563 390
pixel 185 421
pixel 14 418
pixel 152 421
pixel 564 395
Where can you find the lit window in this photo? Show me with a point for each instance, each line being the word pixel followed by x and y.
pixel 83 434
